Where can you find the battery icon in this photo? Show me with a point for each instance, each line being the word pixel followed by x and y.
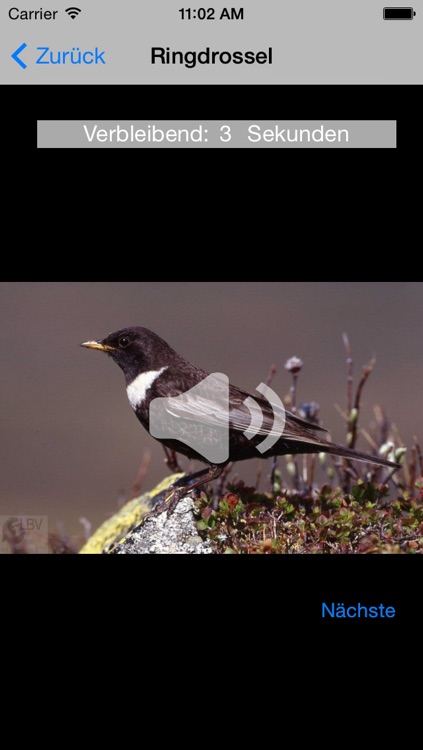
pixel 398 14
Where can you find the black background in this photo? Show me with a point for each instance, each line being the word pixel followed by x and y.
pixel 26 104
pixel 341 206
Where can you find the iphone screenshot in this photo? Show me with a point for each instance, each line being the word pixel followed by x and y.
pixel 167 168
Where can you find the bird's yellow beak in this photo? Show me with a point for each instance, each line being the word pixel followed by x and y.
pixel 98 345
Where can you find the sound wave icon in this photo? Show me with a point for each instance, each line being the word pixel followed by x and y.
pixel 257 417
pixel 73 12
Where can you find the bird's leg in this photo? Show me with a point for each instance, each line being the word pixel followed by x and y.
pixel 171 460
pixel 188 480
pixel 176 493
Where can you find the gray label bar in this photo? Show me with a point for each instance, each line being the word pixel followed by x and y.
pixel 216 134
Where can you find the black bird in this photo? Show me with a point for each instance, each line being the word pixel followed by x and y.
pixel 153 369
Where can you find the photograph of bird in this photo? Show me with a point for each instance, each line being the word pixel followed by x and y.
pixel 152 370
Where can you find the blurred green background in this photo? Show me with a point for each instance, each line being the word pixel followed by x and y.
pixel 70 443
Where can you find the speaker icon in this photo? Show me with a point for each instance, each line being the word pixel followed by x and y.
pixel 202 418
pixel 198 418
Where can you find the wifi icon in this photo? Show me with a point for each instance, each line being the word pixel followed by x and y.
pixel 73 12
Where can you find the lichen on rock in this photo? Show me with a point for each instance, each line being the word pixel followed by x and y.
pixel 126 533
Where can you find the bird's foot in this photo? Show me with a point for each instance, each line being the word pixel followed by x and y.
pixel 183 487
pixel 169 503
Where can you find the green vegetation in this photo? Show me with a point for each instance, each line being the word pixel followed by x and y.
pixel 359 509
pixel 327 521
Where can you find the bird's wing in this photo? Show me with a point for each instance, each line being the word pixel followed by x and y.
pixel 294 427
pixel 246 410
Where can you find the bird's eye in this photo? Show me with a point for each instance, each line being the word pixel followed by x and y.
pixel 124 341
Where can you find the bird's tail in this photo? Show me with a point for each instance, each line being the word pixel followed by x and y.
pixel 338 450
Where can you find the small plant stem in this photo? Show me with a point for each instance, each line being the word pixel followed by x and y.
pixel 367 369
pixel 141 474
pixel 419 455
pixel 350 370
pixel 260 462
pixel 412 469
pixel 222 479
pixel 312 469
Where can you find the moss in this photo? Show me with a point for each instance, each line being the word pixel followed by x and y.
pixel 115 529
